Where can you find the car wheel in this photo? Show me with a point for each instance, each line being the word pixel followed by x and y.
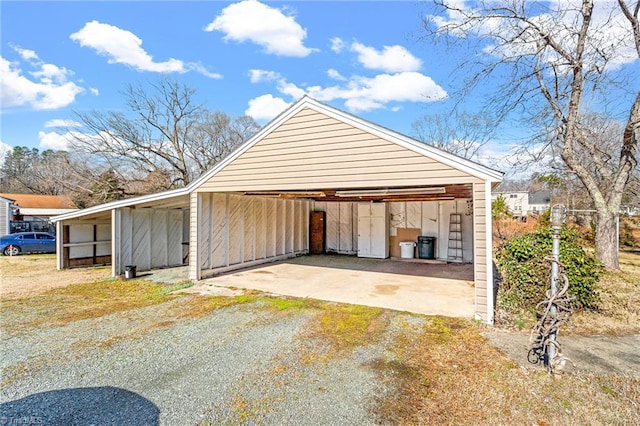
pixel 12 251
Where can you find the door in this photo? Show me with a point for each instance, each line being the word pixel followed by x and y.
pixel 317 234
pixel 364 230
pixel 28 242
pixel 373 230
pixel 46 243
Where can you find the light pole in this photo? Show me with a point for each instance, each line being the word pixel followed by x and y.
pixel 558 213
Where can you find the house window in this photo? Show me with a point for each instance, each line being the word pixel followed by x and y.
pixel 534 208
pixel 513 196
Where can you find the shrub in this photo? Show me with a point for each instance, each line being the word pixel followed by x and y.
pixel 526 275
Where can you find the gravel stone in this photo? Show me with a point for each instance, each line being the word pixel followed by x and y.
pixel 238 365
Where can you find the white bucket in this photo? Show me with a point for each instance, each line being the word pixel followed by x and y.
pixel 406 249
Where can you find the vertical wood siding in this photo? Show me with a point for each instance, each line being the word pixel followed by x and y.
pixel 249 229
pixel 249 221
pixel 432 218
pixel 271 227
pixel 149 238
pixel 260 235
pixel 235 231
pixel 312 150
pixel 341 221
pixel 4 217
pixel 216 233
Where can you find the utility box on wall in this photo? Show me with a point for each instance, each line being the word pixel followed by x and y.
pixel 373 230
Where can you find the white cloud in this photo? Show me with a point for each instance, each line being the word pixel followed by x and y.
pixel 50 87
pixel 269 27
pixel 26 54
pixel 290 89
pixel 94 91
pixel 55 141
pixel 365 94
pixel 390 59
pixel 266 107
pixel 258 76
pixel 202 70
pixel 59 122
pixel 337 45
pixel 122 47
pixel 335 75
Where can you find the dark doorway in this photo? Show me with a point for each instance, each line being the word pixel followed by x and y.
pixel 317 234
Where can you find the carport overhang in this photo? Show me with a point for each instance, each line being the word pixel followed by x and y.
pixel 96 234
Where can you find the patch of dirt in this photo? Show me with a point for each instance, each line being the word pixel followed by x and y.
pixel 35 274
pixel 593 354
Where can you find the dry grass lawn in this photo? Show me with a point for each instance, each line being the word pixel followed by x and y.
pixel 446 373
pixel 619 311
pixel 438 370
pixel 28 275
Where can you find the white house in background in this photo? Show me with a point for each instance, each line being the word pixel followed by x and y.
pixel 524 203
pixel 31 212
pixel 369 184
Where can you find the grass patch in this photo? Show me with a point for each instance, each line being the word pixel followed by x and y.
pixel 446 373
pixel 619 311
pixel 200 306
pixel 291 304
pixel 80 301
pixel 345 327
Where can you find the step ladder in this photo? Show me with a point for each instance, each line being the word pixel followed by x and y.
pixel 454 252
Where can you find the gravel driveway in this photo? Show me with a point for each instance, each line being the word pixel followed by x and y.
pixel 249 363
pixel 237 365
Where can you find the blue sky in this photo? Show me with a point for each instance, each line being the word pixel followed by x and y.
pixel 242 57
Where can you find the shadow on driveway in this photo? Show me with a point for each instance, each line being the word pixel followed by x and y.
pixel 81 406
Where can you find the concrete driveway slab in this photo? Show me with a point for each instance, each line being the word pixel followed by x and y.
pixel 434 289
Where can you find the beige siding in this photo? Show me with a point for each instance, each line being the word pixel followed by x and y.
pixel 482 249
pixel 235 230
pixel 312 150
pixel 194 240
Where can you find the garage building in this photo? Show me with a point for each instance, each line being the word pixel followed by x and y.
pixel 368 189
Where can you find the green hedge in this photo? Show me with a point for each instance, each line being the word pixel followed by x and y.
pixel 526 275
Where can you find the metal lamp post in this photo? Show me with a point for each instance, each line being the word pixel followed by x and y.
pixel 558 213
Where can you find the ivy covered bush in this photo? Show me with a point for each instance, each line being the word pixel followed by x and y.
pixel 526 275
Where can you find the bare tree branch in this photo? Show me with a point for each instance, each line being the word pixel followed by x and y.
pixel 561 62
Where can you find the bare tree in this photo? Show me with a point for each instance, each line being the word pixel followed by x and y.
pixel 460 133
pixel 163 133
pixel 34 171
pixel 561 61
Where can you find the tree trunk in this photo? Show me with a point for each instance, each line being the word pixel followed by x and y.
pixel 606 239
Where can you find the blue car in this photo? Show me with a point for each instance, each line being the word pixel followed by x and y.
pixel 28 242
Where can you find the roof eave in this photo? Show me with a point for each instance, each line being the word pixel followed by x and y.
pixel 123 203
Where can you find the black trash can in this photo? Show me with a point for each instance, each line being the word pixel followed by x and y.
pixel 130 271
pixel 426 247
